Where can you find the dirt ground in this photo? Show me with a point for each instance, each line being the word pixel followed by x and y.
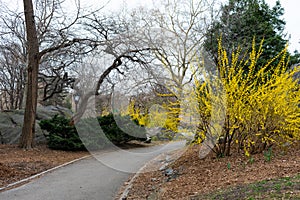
pixel 17 164
pixel 193 176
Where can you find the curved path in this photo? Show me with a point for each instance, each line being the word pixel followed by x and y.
pixel 95 178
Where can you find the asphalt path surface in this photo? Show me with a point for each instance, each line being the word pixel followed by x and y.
pixel 95 178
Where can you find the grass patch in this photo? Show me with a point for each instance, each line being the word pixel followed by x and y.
pixel 281 188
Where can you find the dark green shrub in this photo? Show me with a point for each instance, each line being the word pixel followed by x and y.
pixel 116 127
pixel 62 135
pixel 90 134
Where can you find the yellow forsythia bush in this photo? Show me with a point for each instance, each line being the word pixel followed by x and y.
pixel 258 106
pixel 168 119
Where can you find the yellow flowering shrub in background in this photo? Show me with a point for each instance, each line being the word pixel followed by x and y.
pixel 135 113
pixel 164 116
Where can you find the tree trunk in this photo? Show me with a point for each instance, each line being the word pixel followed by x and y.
pixel 28 131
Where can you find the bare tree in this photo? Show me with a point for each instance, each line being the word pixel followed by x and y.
pixel 50 41
pixel 176 30
pixel 27 137
pixel 12 58
pixel 134 56
pixel 119 48
pixel 12 77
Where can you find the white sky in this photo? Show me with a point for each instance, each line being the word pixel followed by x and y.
pixel 292 18
pixel 291 15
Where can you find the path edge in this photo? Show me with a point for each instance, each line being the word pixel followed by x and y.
pixel 126 190
pixel 23 181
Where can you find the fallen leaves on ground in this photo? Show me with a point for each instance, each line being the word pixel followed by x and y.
pixel 196 176
pixel 17 164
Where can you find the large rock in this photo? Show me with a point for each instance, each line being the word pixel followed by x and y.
pixel 296 76
pixel 11 123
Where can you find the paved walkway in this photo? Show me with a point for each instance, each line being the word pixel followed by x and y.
pixel 94 178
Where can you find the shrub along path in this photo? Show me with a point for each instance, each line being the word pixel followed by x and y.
pixel 192 178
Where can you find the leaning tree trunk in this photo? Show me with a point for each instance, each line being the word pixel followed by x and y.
pixel 28 131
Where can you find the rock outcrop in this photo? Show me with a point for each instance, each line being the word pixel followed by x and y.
pixel 11 123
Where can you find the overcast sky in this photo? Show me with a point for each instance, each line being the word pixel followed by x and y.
pixel 291 16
